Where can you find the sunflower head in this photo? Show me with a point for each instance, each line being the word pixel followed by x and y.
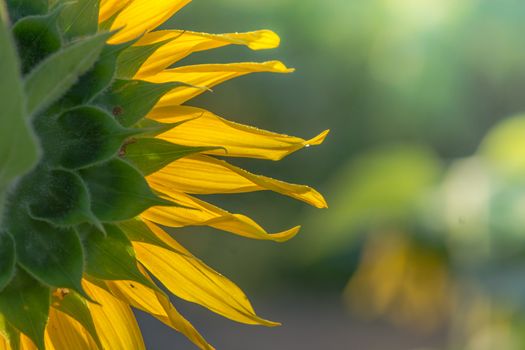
pixel 97 151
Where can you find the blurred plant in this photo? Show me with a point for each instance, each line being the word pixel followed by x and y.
pixel 379 190
pixel 441 248
pixel 407 282
pixel 435 74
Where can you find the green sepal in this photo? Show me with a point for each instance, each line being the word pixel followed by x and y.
pixel 7 259
pixel 97 282
pixel 150 154
pixel 118 191
pixel 97 79
pixel 23 8
pixel 37 37
pixel 10 333
pixel 74 305
pixel 59 197
pixel 132 100
pixel 106 25
pixel 51 254
pixel 151 128
pixel 18 147
pixel 111 256
pixel 131 59
pixel 81 137
pixel 25 305
pixel 59 72
pixel 79 18
pixel 137 231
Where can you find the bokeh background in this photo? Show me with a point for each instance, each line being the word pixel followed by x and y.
pixel 423 246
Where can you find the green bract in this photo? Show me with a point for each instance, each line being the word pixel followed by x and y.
pixel 74 150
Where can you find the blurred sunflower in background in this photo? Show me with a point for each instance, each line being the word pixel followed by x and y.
pixel 402 280
pixel 440 243
pixel 100 153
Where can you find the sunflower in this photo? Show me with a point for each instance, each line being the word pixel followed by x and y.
pixel 403 280
pixel 98 152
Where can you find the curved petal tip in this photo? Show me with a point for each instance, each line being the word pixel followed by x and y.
pixel 319 139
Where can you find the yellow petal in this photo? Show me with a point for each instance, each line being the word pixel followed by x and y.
pixel 4 344
pixel 114 320
pixel 26 343
pixel 201 174
pixel 203 128
pixel 142 16
pixel 200 213
pixel 182 43
pixel 207 76
pixel 108 8
pixel 192 280
pixel 159 306
pixel 63 333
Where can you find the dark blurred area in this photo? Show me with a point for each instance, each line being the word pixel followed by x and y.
pixel 423 246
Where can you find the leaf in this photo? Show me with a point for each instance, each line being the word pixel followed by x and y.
pixel 111 256
pixel 76 306
pixel 81 137
pixel 7 259
pixel 59 72
pixel 121 99
pixel 79 18
pixel 150 155
pixel 51 254
pixel 118 191
pixel 23 8
pixel 37 37
pixel 18 148
pixel 27 294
